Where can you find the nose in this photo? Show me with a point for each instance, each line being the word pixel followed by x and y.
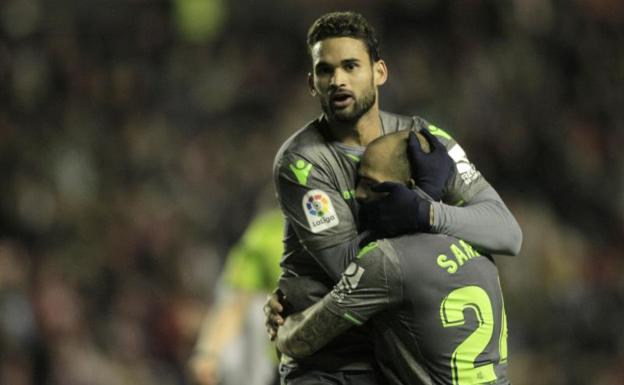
pixel 338 78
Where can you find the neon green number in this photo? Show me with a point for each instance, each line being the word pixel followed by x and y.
pixel 463 358
pixel 502 341
pixel 502 344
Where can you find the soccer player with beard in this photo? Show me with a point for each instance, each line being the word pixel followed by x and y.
pixel 315 175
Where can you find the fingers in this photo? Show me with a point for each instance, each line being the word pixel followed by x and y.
pixel 276 305
pixel 272 332
pixel 272 324
pixel 273 305
pixel 434 143
pixel 413 143
pixel 271 328
pixel 272 310
pixel 385 187
pixel 275 320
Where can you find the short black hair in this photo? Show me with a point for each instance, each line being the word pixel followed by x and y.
pixel 344 24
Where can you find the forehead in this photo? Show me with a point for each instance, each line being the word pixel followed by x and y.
pixel 336 49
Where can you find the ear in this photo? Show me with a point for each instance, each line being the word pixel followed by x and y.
pixel 311 84
pixel 380 72
pixel 411 183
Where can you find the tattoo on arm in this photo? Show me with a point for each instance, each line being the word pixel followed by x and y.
pixel 304 333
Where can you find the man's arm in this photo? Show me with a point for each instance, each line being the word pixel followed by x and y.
pixel 304 333
pixel 368 285
pixel 252 266
pixel 318 213
pixel 335 259
pixel 476 213
pixel 474 210
pixel 485 222
pixel 222 325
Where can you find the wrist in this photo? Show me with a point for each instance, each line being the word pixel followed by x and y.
pixel 433 191
pixel 424 216
pixel 431 216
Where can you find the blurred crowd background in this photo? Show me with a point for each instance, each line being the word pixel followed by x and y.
pixel 136 137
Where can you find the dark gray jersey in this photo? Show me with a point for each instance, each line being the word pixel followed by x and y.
pixel 315 181
pixel 438 310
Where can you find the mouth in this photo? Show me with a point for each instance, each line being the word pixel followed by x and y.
pixel 342 99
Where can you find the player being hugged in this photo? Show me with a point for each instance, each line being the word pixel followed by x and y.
pixel 434 301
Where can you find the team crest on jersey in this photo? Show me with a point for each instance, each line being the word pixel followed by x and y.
pixel 319 211
pixel 467 171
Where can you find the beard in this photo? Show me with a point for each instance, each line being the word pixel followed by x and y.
pixel 360 107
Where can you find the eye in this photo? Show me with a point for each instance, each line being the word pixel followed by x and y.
pixel 324 70
pixel 350 66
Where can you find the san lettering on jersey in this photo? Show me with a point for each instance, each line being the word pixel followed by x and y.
pixel 462 255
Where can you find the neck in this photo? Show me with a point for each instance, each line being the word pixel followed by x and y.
pixel 360 133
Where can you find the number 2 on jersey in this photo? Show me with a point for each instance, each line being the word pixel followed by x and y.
pixel 464 356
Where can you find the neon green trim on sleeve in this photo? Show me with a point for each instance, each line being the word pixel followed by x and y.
pixel 354 158
pixel 371 246
pixel 438 132
pixel 348 194
pixel 351 318
pixel 301 169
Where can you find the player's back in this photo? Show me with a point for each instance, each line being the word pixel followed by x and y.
pixel 450 327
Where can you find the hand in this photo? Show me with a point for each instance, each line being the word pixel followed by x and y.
pixel 402 211
pixel 430 170
pixel 272 313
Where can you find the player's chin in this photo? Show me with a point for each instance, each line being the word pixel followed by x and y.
pixel 344 114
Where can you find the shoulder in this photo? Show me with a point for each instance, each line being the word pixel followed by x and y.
pixel 392 122
pixel 420 243
pixel 466 170
pixel 307 142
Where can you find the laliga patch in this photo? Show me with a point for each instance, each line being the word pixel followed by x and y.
pixel 319 211
pixel 467 171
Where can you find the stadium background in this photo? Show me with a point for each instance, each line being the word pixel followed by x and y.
pixel 136 136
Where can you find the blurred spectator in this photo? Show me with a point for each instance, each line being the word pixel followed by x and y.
pixel 232 348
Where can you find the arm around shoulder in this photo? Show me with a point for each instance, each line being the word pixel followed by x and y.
pixel 306 332
pixel 477 213
pixel 484 221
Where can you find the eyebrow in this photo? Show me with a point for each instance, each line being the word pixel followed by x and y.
pixel 350 61
pixel 342 62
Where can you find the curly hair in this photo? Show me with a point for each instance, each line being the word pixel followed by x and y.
pixel 344 24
